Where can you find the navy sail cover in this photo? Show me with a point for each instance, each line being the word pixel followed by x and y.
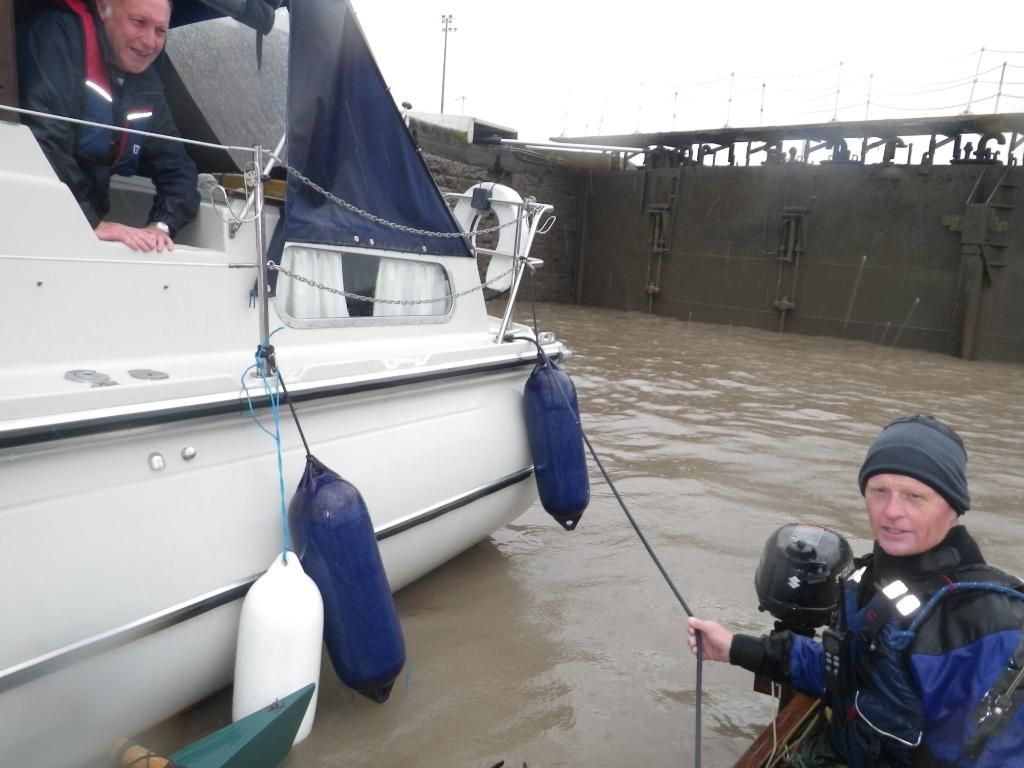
pixel 346 134
pixel 258 14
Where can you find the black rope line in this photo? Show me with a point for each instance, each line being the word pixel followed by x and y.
pixel 295 416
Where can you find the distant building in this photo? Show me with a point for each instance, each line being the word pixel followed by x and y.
pixel 474 128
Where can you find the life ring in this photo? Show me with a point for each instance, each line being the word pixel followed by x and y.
pixel 507 205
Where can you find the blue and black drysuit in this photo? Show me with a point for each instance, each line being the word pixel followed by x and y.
pixel 64 68
pixel 931 643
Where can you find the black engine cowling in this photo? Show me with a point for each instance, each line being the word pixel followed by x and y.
pixel 797 580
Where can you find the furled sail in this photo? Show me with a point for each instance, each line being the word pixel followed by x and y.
pixel 345 133
pixel 258 14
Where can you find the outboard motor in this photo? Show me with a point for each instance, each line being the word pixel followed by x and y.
pixel 797 580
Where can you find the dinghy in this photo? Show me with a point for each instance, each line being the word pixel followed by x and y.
pixel 259 740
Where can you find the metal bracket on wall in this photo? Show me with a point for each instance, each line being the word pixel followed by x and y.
pixel 982 226
pixel 792 227
pixel 791 232
pixel 985 221
pixel 661 240
pixel 1015 141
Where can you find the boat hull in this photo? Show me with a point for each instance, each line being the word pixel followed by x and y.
pixel 442 463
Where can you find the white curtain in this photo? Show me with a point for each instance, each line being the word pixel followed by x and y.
pixel 304 302
pixel 404 280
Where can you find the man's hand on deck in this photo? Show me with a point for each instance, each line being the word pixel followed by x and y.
pixel 148 238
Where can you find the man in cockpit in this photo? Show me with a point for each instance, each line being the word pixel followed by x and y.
pixel 95 62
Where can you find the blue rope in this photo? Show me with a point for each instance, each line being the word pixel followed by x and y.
pixel 248 399
pixel 274 396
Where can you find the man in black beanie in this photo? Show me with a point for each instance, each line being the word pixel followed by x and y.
pixel 922 665
pixel 914 483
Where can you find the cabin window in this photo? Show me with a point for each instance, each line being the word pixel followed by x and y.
pixel 397 289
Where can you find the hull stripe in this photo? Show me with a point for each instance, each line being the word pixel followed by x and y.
pixel 60 430
pixel 40 666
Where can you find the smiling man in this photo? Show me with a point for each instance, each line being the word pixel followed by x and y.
pixel 926 650
pixel 96 63
pixel 914 484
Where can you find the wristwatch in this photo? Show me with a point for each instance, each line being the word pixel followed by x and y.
pixel 161 226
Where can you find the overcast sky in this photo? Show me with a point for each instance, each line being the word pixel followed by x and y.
pixel 564 67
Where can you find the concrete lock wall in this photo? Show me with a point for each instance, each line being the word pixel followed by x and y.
pixel 889 254
pixel 928 257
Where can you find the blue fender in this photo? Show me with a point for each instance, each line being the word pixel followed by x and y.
pixel 333 536
pixel 556 442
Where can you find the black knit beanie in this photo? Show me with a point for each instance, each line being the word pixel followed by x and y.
pixel 925 449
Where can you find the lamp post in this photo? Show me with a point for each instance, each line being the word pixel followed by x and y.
pixel 446 20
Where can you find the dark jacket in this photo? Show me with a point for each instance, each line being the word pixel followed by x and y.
pixel 924 674
pixel 51 78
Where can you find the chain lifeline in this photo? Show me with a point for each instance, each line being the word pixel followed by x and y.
pixel 373 300
pixel 523 216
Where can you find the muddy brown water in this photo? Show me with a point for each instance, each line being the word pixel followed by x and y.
pixel 548 648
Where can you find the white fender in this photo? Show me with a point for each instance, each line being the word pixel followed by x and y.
pixel 280 641
pixel 506 204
